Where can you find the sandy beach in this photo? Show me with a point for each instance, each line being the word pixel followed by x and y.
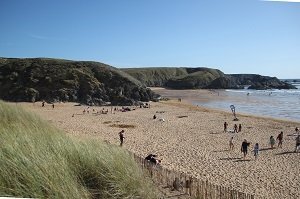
pixel 191 140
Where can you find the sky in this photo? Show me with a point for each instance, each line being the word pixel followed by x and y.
pixel 234 36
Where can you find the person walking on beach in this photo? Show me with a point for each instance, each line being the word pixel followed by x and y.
pixel 272 142
pixel 121 135
pixel 235 128
pixel 244 147
pixel 225 127
pixel 231 145
pixel 255 150
pixel 297 143
pixel 240 127
pixel 297 130
pixel 280 138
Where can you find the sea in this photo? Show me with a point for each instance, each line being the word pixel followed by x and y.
pixel 275 103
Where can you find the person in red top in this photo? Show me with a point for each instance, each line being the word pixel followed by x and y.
pixel 280 138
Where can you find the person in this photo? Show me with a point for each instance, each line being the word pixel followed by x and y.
pixel 280 138
pixel 244 147
pixel 231 144
pixel 43 103
pixel 272 142
pixel 297 130
pixel 121 134
pixel 153 159
pixel 52 105
pixel 235 128
pixel 297 143
pixel 240 127
pixel 225 127
pixel 255 150
pixel 154 117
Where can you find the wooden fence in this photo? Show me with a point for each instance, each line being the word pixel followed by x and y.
pixel 192 187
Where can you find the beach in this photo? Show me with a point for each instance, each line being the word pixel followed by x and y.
pixel 190 139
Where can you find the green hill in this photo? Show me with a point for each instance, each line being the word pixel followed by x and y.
pixel 179 78
pixel 53 80
pixel 40 161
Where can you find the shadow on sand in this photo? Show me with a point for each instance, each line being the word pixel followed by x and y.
pixel 242 160
pixel 286 152
pixel 265 149
pixel 230 158
pixel 221 151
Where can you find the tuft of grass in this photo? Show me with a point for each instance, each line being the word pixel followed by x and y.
pixel 40 161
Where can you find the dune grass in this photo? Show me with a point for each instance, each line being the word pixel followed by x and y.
pixel 40 161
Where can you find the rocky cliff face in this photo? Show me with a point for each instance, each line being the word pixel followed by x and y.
pixel 62 80
pixel 260 82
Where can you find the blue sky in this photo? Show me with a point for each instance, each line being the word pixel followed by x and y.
pixel 235 36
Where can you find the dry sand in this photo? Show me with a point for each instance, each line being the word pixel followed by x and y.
pixel 191 140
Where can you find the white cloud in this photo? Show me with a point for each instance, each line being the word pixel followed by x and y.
pixel 291 1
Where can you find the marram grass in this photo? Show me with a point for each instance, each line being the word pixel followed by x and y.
pixel 39 161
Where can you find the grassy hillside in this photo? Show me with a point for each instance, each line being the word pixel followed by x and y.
pixel 179 78
pixel 155 76
pixel 63 80
pixel 39 161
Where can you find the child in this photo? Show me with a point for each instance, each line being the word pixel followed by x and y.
pixel 272 142
pixel 255 150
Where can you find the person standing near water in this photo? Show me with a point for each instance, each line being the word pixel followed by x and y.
pixel 121 134
pixel 244 147
pixel 235 128
pixel 255 150
pixel 231 145
pixel 272 142
pixel 280 138
pixel 225 127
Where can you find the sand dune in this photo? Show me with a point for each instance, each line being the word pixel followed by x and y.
pixel 191 140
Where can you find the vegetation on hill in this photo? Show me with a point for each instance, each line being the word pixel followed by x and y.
pixel 39 161
pixel 53 80
pixel 191 78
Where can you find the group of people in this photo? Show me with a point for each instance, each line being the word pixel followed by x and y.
pixel 245 144
pixel 236 128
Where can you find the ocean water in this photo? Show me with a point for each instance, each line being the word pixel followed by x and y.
pixel 280 104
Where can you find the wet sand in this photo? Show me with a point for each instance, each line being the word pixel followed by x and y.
pixel 191 140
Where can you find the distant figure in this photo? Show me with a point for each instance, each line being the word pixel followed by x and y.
pixel 297 148
pixel 121 135
pixel 225 127
pixel 52 105
pixel 43 103
pixel 248 94
pixel 231 145
pixel 272 142
pixel 179 99
pixel 153 159
pixel 240 127
pixel 297 130
pixel 154 117
pixel 149 157
pixel 244 147
pixel 280 138
pixel 235 128
pixel 256 150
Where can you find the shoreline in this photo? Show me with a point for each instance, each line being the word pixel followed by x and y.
pixel 201 96
pixel 191 140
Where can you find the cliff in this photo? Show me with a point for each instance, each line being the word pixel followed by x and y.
pixel 54 80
